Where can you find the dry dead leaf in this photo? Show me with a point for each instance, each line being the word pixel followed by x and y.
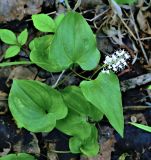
pixel 5 151
pixel 51 155
pixel 29 147
pixel 142 19
pixel 22 73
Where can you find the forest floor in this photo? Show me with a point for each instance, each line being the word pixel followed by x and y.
pixel 131 32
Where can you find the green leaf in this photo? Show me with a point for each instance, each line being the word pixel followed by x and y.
pixel 22 38
pixel 88 147
pixel 126 1
pixel 19 156
pixel 12 51
pixel 8 36
pixel 141 126
pixel 149 87
pixel 35 106
pixel 75 100
pixel 41 43
pixel 74 124
pixel 59 19
pixel 43 23
pixel 73 42
pixel 123 156
pixel 104 93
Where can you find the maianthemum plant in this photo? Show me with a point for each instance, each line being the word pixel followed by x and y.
pixel 74 110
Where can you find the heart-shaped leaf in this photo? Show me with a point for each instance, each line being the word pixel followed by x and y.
pixel 58 19
pixel 73 42
pixel 88 147
pixel 75 100
pixel 35 106
pixel 39 49
pixel 104 93
pixel 19 156
pixel 74 124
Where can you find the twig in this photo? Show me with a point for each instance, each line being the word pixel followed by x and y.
pixel 65 152
pixel 126 26
pixel 136 107
pixel 146 38
pixel 54 12
pixel 97 16
pixel 137 81
pixel 136 30
pixel 54 86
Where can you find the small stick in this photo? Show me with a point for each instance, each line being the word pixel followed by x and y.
pixel 136 30
pixel 54 86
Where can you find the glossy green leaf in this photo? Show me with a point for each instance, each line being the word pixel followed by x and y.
pixel 88 147
pixel 126 1
pixel 43 23
pixel 41 43
pixel 73 42
pixel 39 49
pixel 58 19
pixel 141 126
pixel 22 38
pixel 19 156
pixel 12 51
pixel 74 124
pixel 75 100
pixel 8 36
pixel 35 106
pixel 104 93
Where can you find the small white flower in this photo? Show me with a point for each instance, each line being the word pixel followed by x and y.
pixel 124 63
pixel 114 57
pixel 115 69
pixel 105 71
pixel 116 62
pixel 127 56
pixel 122 60
pixel 120 66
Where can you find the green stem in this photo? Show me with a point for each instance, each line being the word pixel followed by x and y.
pixel 5 64
pixel 88 79
pixel 97 70
pixel 67 4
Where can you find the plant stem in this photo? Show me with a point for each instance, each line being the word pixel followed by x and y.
pixel 96 71
pixel 88 79
pixel 67 4
pixel 5 64
pixel 77 5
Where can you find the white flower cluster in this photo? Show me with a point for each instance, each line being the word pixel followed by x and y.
pixel 116 62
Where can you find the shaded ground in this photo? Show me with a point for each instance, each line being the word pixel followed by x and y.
pixel 132 32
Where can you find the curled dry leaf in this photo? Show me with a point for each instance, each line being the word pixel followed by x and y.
pixel 22 73
pixel 142 19
pixel 30 146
